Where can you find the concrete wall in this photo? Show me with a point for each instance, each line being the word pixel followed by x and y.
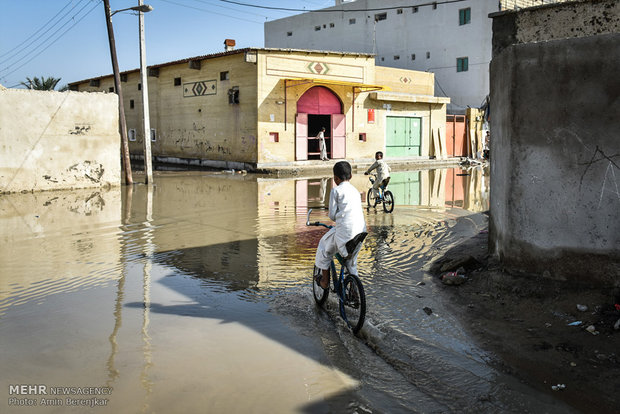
pixel 53 140
pixel 555 159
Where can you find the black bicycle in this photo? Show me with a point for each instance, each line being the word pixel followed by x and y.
pixel 348 286
pixel 385 196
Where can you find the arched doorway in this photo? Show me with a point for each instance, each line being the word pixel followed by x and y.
pixel 319 107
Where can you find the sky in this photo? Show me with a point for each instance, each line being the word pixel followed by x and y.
pixel 68 39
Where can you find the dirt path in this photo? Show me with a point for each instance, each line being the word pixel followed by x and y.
pixel 524 321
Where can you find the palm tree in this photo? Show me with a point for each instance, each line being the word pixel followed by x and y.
pixel 42 84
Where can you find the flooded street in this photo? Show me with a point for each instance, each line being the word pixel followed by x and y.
pixel 193 295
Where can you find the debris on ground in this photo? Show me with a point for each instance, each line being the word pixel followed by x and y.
pixel 617 325
pixel 592 330
pixel 576 323
pixel 427 310
pixel 582 308
pixel 558 387
pixel 453 278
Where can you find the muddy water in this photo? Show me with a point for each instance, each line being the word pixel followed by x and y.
pixel 192 295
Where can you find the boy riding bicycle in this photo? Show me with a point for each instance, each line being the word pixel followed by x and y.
pixel 345 208
pixel 383 172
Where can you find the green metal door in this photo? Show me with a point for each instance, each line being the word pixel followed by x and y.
pixel 403 136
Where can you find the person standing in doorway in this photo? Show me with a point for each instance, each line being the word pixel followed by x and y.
pixel 322 146
pixel 487 146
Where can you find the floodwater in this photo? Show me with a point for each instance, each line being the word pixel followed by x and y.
pixel 193 295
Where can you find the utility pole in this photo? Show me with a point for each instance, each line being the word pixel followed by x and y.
pixel 148 163
pixel 119 92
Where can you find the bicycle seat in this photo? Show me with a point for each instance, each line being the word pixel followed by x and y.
pixel 353 246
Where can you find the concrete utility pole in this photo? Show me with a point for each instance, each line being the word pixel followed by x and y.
pixel 119 92
pixel 148 163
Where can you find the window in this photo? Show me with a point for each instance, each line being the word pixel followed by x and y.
pixel 131 134
pixel 331 25
pixel 462 64
pixel 396 57
pixel 123 77
pixel 464 16
pixel 382 59
pixel 413 56
pixel 362 137
pixel 233 95
pixel 428 55
pixel 380 16
pixel 131 104
pixel 399 11
pixel 324 26
pixel 351 21
pixel 224 76
pixel 289 34
pixel 94 83
pixel 317 28
pixel 153 134
pixel 139 86
pixel 177 81
pixel 274 137
pixel 415 10
pixel 111 89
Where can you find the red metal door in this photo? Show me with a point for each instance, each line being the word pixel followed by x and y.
pixel 456 137
pixel 339 136
pixel 301 137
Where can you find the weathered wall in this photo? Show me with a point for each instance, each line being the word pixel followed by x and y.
pixel 555 156
pixel 53 140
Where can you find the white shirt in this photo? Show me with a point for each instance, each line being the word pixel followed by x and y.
pixel 383 170
pixel 345 208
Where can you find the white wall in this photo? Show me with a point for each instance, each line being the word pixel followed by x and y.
pixel 429 30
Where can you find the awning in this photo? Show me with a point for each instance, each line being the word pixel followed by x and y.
pixel 408 97
pixel 358 87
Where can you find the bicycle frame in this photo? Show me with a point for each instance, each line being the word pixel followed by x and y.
pixel 381 188
pixel 338 283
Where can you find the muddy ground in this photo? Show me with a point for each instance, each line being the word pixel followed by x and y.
pixel 524 322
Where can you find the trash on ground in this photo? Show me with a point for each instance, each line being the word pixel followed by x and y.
pixel 617 306
pixel 572 364
pixel 558 387
pixel 617 325
pixel 453 278
pixel 582 308
pixel 420 284
pixel 427 310
pixel 576 323
pixel 548 325
pixel 592 330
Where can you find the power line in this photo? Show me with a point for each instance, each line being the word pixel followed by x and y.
pixel 209 11
pixel 44 33
pixel 41 28
pixel 55 40
pixel 230 8
pixel 434 3
pixel 41 44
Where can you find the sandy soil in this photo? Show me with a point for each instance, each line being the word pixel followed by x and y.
pixel 523 321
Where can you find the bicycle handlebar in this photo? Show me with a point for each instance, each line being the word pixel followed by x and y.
pixel 316 223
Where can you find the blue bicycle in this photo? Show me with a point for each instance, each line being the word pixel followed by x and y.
pixel 385 196
pixel 348 286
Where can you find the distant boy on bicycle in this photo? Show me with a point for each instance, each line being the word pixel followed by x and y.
pixel 383 172
pixel 345 208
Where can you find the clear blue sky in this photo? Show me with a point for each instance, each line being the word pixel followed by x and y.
pixel 67 39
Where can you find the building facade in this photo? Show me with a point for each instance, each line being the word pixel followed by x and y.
pixel 450 39
pixel 254 108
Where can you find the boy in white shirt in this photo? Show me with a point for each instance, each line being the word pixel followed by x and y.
pixel 345 208
pixel 383 172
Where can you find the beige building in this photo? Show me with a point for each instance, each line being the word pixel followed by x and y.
pixel 255 108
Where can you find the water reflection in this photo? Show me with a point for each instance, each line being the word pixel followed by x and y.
pixel 155 290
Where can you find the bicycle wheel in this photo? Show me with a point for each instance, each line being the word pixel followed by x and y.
pixel 372 200
pixel 388 202
pixel 320 294
pixel 354 303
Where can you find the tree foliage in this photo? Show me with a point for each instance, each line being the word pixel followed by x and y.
pixel 41 84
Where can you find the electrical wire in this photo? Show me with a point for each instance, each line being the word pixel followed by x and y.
pixel 45 32
pixel 209 11
pixel 340 10
pixel 53 41
pixel 42 43
pixel 41 28
pixel 210 3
